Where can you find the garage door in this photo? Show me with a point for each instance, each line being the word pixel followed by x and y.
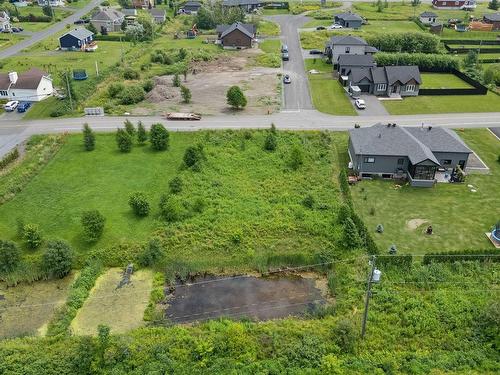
pixel 364 88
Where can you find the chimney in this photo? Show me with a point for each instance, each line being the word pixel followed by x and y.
pixel 429 128
pixel 13 77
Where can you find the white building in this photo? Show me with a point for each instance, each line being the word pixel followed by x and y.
pixel 31 86
pixel 4 21
pixel 428 18
pixel 52 3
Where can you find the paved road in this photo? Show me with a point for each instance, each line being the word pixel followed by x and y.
pixel 496 131
pixel 13 133
pixel 57 27
pixel 295 95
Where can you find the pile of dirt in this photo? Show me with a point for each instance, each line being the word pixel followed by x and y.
pixel 163 90
pixel 225 63
pixel 415 223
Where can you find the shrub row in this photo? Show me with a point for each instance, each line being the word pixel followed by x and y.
pixel 34 18
pixel 9 158
pixel 399 261
pixel 78 293
pixel 422 60
pixel 404 42
pixel 152 312
pixel 458 256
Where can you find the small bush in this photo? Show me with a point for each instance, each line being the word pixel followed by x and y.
pixel 175 185
pixel 138 202
pixel 343 214
pixel 10 256
pixel 93 225
pixel 152 253
pixel 194 156
pixel 350 236
pixel 132 94
pixel 123 140
pixel 380 228
pixel 372 211
pixel 308 201
pixel 393 249
pixel 270 142
pixel 129 128
pixel 345 336
pixel 171 208
pixel 148 85
pixel 142 135
pixel 236 98
pixel 176 81
pixel 296 158
pixel 88 138
pixel 57 259
pixel 159 137
pixel 130 73
pixel 9 158
pixel 115 88
pixel 186 94
pixel 32 236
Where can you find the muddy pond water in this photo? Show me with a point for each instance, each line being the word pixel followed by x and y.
pixel 251 297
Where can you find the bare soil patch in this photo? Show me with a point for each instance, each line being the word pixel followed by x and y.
pixel 209 82
pixel 415 223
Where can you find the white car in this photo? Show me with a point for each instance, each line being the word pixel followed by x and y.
pixel 11 106
pixel 335 26
pixel 360 103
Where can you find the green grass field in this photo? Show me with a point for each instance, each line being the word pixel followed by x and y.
pixel 252 199
pixel 442 80
pixel 444 104
pixel 270 46
pixel 459 217
pixel 268 28
pixel 452 34
pixel 7 40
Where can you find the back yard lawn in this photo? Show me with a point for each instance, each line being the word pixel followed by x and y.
pixel 442 80
pixel 246 203
pixel 444 104
pixel 459 217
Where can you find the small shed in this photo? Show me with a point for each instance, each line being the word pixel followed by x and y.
pixel 436 28
pixel 428 18
pixel 76 39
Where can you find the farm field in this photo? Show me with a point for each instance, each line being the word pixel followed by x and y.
pixel 444 104
pixel 24 309
pixel 246 200
pixel 119 307
pixel 451 209
pixel 442 80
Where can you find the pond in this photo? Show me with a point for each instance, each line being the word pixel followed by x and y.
pixel 251 297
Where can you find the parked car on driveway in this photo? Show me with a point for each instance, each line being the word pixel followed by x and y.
pixel 284 48
pixel 79 22
pixel 315 52
pixel 287 79
pixel 285 56
pixel 360 104
pixel 17 29
pixel 11 106
pixel 321 28
pixel 23 107
pixel 335 26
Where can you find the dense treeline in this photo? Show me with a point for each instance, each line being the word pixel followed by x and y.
pixel 422 60
pixel 404 42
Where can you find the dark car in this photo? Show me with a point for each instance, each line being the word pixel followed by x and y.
pixel 79 22
pixel 17 29
pixel 321 28
pixel 23 107
pixel 287 79
pixel 285 56
pixel 315 52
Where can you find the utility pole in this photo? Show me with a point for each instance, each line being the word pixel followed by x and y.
pixel 371 280
pixel 96 69
pixel 69 92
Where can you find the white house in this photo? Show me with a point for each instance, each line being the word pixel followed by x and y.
pixel 31 86
pixel 52 3
pixel 428 17
pixel 4 21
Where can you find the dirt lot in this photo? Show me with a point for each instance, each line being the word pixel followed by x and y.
pixel 26 309
pixel 209 85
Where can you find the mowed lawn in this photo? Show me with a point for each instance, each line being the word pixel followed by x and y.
pixel 459 217
pixel 444 104
pixel 249 200
pixel 442 80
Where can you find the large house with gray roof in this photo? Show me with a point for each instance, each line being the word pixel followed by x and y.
pixel 384 80
pixel 108 20
pixel 347 45
pixel 416 153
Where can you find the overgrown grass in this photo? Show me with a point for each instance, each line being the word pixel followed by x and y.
pixel 271 57
pixel 268 28
pixel 444 104
pixel 451 209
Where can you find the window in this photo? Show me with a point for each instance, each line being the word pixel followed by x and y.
pixel 369 160
pixel 381 87
pixel 3 93
pixel 401 161
pixel 410 88
pixel 347 49
pixel 445 162
pixel 386 175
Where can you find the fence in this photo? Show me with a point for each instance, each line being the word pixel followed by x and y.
pixel 448 43
pixel 478 88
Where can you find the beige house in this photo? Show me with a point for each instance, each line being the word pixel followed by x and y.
pixel 108 19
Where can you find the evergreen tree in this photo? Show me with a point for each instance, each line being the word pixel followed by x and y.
pixel 493 4
pixel 350 235
pixel 296 158
pixel 159 137
pixel 343 214
pixel 88 138
pixel 10 256
pixel 270 142
pixel 130 128
pixel 57 259
pixel 142 135
pixel 152 253
pixel 236 98
pixel 123 140
pixel 193 156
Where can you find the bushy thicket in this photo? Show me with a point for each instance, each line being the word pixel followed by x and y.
pixel 9 158
pixel 404 42
pixel 422 60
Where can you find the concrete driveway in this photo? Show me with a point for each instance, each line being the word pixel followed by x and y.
pixel 373 106
pixel 296 95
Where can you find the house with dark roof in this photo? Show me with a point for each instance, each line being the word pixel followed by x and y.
pixel 347 45
pixel 247 5
pixel 416 153
pixel 492 19
pixel 31 86
pixel 191 7
pixel 348 20
pixel 108 20
pixel 238 35
pixel 452 4
pixel 159 15
pixel 77 39
pixel 346 63
pixel 385 81
pixel 428 17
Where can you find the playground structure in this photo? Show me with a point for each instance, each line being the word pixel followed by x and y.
pixel 494 235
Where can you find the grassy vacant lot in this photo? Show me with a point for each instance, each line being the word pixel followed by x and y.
pixel 268 28
pixel 7 40
pixel 27 308
pixel 121 308
pixel 442 80
pixel 444 104
pixel 328 96
pixel 452 34
pixel 459 217
pixel 271 56
pixel 250 200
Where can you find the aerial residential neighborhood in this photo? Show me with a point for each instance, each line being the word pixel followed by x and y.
pixel 249 187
